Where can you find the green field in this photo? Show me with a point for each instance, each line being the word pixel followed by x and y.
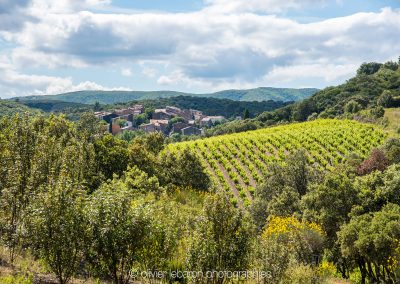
pixel 239 162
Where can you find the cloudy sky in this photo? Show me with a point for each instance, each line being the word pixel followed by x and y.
pixel 50 47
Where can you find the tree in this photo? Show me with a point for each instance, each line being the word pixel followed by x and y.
pixel 111 156
pixel 385 99
pixel 376 189
pixel 57 227
pixel 222 238
pixel 391 150
pixel 281 192
pixel 372 240
pixel 118 229
pixel 329 204
pixel 97 106
pixel 391 65
pixel 303 110
pixel 121 122
pixel 246 114
pixel 352 107
pixel 184 170
pixel 88 126
pixel 369 68
pixel 18 139
pixel 377 161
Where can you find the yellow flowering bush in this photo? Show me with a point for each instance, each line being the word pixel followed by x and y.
pixel 304 240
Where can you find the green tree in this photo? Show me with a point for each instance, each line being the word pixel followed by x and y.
pixel 329 204
pixel 281 192
pixel 377 189
pixel 303 110
pixel 89 126
pixel 246 114
pixel 97 106
pixel 372 240
pixel 391 149
pixel 57 227
pixel 111 156
pixel 184 170
pixel 121 122
pixel 385 99
pixel 352 107
pixel 222 238
pixel 369 68
pixel 118 229
pixel 17 149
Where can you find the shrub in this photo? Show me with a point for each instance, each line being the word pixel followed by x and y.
pixel 377 161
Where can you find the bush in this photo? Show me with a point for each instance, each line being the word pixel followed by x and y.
pixel 300 274
pixel 377 161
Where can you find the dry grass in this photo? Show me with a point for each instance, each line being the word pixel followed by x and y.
pixel 26 270
pixel 393 115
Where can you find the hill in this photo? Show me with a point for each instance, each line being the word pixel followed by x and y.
pixel 363 97
pixel 10 108
pixel 111 97
pixel 239 162
pixel 375 85
pixel 210 106
pixel 47 105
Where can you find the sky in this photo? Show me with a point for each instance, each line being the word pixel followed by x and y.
pixel 199 46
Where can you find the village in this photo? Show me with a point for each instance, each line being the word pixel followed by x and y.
pixel 169 120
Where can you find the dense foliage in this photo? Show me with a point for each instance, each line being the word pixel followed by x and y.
pixel 10 108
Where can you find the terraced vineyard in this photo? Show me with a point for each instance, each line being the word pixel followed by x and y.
pixel 238 162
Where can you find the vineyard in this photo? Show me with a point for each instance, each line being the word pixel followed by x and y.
pixel 238 162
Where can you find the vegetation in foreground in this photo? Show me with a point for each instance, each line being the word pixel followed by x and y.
pixel 85 205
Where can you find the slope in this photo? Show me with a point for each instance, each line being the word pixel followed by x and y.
pixel 10 108
pixel 239 162
pixel 111 97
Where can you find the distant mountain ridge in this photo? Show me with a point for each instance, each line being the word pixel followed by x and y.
pixel 111 97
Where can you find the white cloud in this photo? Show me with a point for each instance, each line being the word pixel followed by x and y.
pixel 267 6
pixel 126 72
pixel 235 47
pixel 14 83
pixel 149 72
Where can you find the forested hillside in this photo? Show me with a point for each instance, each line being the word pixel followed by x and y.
pixel 211 106
pixel 9 108
pixel 111 97
pixel 364 97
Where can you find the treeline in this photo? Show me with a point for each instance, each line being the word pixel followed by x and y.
pixel 215 106
pixel 90 205
pixel 364 97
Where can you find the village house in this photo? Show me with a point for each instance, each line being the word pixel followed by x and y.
pixel 191 130
pixel 133 110
pixel 177 127
pixel 162 114
pixel 209 121
pixel 106 116
pixel 155 125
